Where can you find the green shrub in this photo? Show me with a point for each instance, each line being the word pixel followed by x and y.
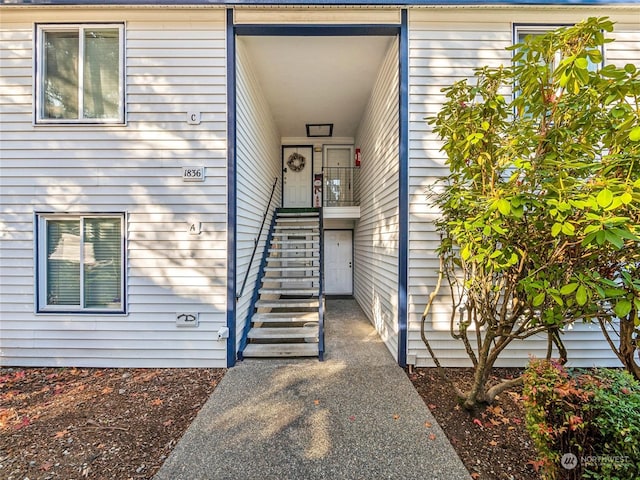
pixel 583 424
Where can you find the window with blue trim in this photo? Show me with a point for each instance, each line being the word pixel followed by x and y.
pixel 81 263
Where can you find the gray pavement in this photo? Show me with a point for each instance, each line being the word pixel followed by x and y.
pixel 353 416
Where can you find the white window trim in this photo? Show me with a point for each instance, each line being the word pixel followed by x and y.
pixel 519 29
pixel 41 220
pixel 38 86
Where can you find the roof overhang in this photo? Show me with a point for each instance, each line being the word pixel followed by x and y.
pixel 325 3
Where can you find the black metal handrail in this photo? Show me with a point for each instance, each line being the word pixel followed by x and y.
pixel 257 240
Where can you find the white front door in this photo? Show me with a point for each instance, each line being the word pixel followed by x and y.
pixel 338 262
pixel 297 170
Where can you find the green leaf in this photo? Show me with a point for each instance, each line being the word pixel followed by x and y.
pixel 630 68
pixel 465 253
pixel 581 63
pixel 626 196
pixel 504 207
pixel 568 229
pixel 555 230
pixel 539 299
pixel 581 295
pixel 569 288
pixel 634 134
pixel 604 198
pixel 614 239
pixel 622 308
pixel 558 299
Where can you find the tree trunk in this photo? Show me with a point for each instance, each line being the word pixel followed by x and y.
pixel 477 394
pixel 628 348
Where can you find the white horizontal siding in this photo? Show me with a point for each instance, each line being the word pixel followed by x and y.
pixel 445 46
pixel 258 165
pixel 175 62
pixel 377 231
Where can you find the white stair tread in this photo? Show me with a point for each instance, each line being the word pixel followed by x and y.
pixel 289 291
pixel 281 350
pixel 298 214
pixel 297 227
pixel 314 278
pixel 310 262
pixel 292 250
pixel 288 303
pixel 310 268
pixel 274 333
pixel 297 219
pixel 287 317
pixel 285 241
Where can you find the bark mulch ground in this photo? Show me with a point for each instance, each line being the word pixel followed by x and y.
pixel 81 423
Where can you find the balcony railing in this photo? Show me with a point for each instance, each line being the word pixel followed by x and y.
pixel 341 186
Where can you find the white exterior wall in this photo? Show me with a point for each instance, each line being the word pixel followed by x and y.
pixel 258 165
pixel 175 62
pixel 377 231
pixel 445 46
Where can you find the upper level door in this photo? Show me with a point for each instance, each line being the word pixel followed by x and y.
pixel 297 173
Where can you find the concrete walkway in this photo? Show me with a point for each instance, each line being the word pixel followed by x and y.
pixel 353 416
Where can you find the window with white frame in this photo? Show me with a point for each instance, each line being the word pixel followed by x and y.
pixel 79 73
pixel 81 263
pixel 520 32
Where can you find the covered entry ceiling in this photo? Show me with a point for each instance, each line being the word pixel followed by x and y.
pixel 317 79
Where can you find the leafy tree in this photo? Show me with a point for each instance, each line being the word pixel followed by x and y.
pixel 541 209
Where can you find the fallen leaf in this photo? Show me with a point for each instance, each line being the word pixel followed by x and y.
pixel 316 402
pixel 61 433
pixel 477 422
pixel 428 424
pixel 432 436
pixel 23 423
pixel 167 423
pixel 536 464
pixel 352 418
pixel 432 406
pixel 46 466
pixel 106 390
pixel 396 416
pixel 156 402
pixel 493 443
pixel 475 475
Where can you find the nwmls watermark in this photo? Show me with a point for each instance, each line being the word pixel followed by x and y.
pixel 570 461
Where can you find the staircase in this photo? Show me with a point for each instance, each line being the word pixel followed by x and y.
pixel 287 318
